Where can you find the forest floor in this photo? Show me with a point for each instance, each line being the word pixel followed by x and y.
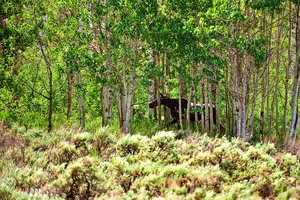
pixel 67 164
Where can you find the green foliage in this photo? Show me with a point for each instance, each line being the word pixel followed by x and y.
pixel 196 36
pixel 6 192
pixel 270 4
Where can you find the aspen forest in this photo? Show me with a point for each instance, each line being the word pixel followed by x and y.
pixel 149 99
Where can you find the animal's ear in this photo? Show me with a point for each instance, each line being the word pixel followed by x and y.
pixel 163 96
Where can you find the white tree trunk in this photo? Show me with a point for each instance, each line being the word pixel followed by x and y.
pixel 287 71
pixel 188 110
pixel 127 94
pixel 180 103
pixel 107 98
pixel 211 113
pixel 206 114
pixel 244 108
pixel 80 101
pixel 202 102
pixel 151 89
pixel 295 92
pixel 254 100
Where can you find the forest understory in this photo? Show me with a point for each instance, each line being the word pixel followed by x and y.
pixel 69 164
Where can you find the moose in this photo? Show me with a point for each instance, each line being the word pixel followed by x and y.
pixel 173 105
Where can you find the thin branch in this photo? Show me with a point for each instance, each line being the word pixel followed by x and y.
pixel 34 90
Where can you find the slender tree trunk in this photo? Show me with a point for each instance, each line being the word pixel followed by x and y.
pixel 126 106
pixel 157 94
pixel 70 94
pixel 128 115
pixel 158 90
pixel 203 128
pixel 167 112
pixel 287 71
pixel 106 90
pixel 244 107
pixel 216 118
pixel 50 82
pixel 151 89
pixel 106 94
pixel 262 111
pixel 80 97
pixel 274 104
pixel 264 82
pixel 123 99
pixel 195 102
pixel 121 108
pixel 81 112
pixel 190 100
pixel 254 100
pixel 269 111
pixel 228 104
pixel 180 102
pixel 238 94
pixel 296 82
pixel 211 112
pixel 50 109
pixel 188 110
pixel 278 63
pixel 127 96
pixel 206 117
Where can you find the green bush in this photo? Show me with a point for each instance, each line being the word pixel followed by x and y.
pixel 99 165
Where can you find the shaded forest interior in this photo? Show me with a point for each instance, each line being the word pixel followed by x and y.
pixel 100 63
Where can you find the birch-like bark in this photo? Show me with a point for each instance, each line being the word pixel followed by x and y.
pixel 296 82
pixel 264 82
pixel 237 94
pixel 158 90
pixel 107 98
pixel 50 109
pixel 166 64
pixel 215 111
pixel 128 90
pixel 188 110
pixel 127 122
pixel 278 63
pixel 80 97
pixel 228 110
pixel 269 111
pixel 151 89
pixel 180 102
pixel 254 102
pixel 106 91
pixel 195 102
pixel 202 86
pixel 287 71
pixel 127 94
pixel 274 104
pixel 70 94
pixel 211 112
pixel 206 115
pixel 244 106
pixel 50 82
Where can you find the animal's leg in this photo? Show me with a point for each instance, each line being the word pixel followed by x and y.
pixel 172 122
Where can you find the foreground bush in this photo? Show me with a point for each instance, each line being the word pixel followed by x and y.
pixel 102 166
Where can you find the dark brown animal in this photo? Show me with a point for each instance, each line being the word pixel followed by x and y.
pixel 173 105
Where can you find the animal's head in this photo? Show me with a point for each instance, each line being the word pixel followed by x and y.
pixel 154 102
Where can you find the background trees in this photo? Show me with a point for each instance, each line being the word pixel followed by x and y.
pixel 113 56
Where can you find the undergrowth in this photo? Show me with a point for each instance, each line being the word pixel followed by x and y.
pixel 99 165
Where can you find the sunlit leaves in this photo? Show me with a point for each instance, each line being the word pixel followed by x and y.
pixel 266 4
